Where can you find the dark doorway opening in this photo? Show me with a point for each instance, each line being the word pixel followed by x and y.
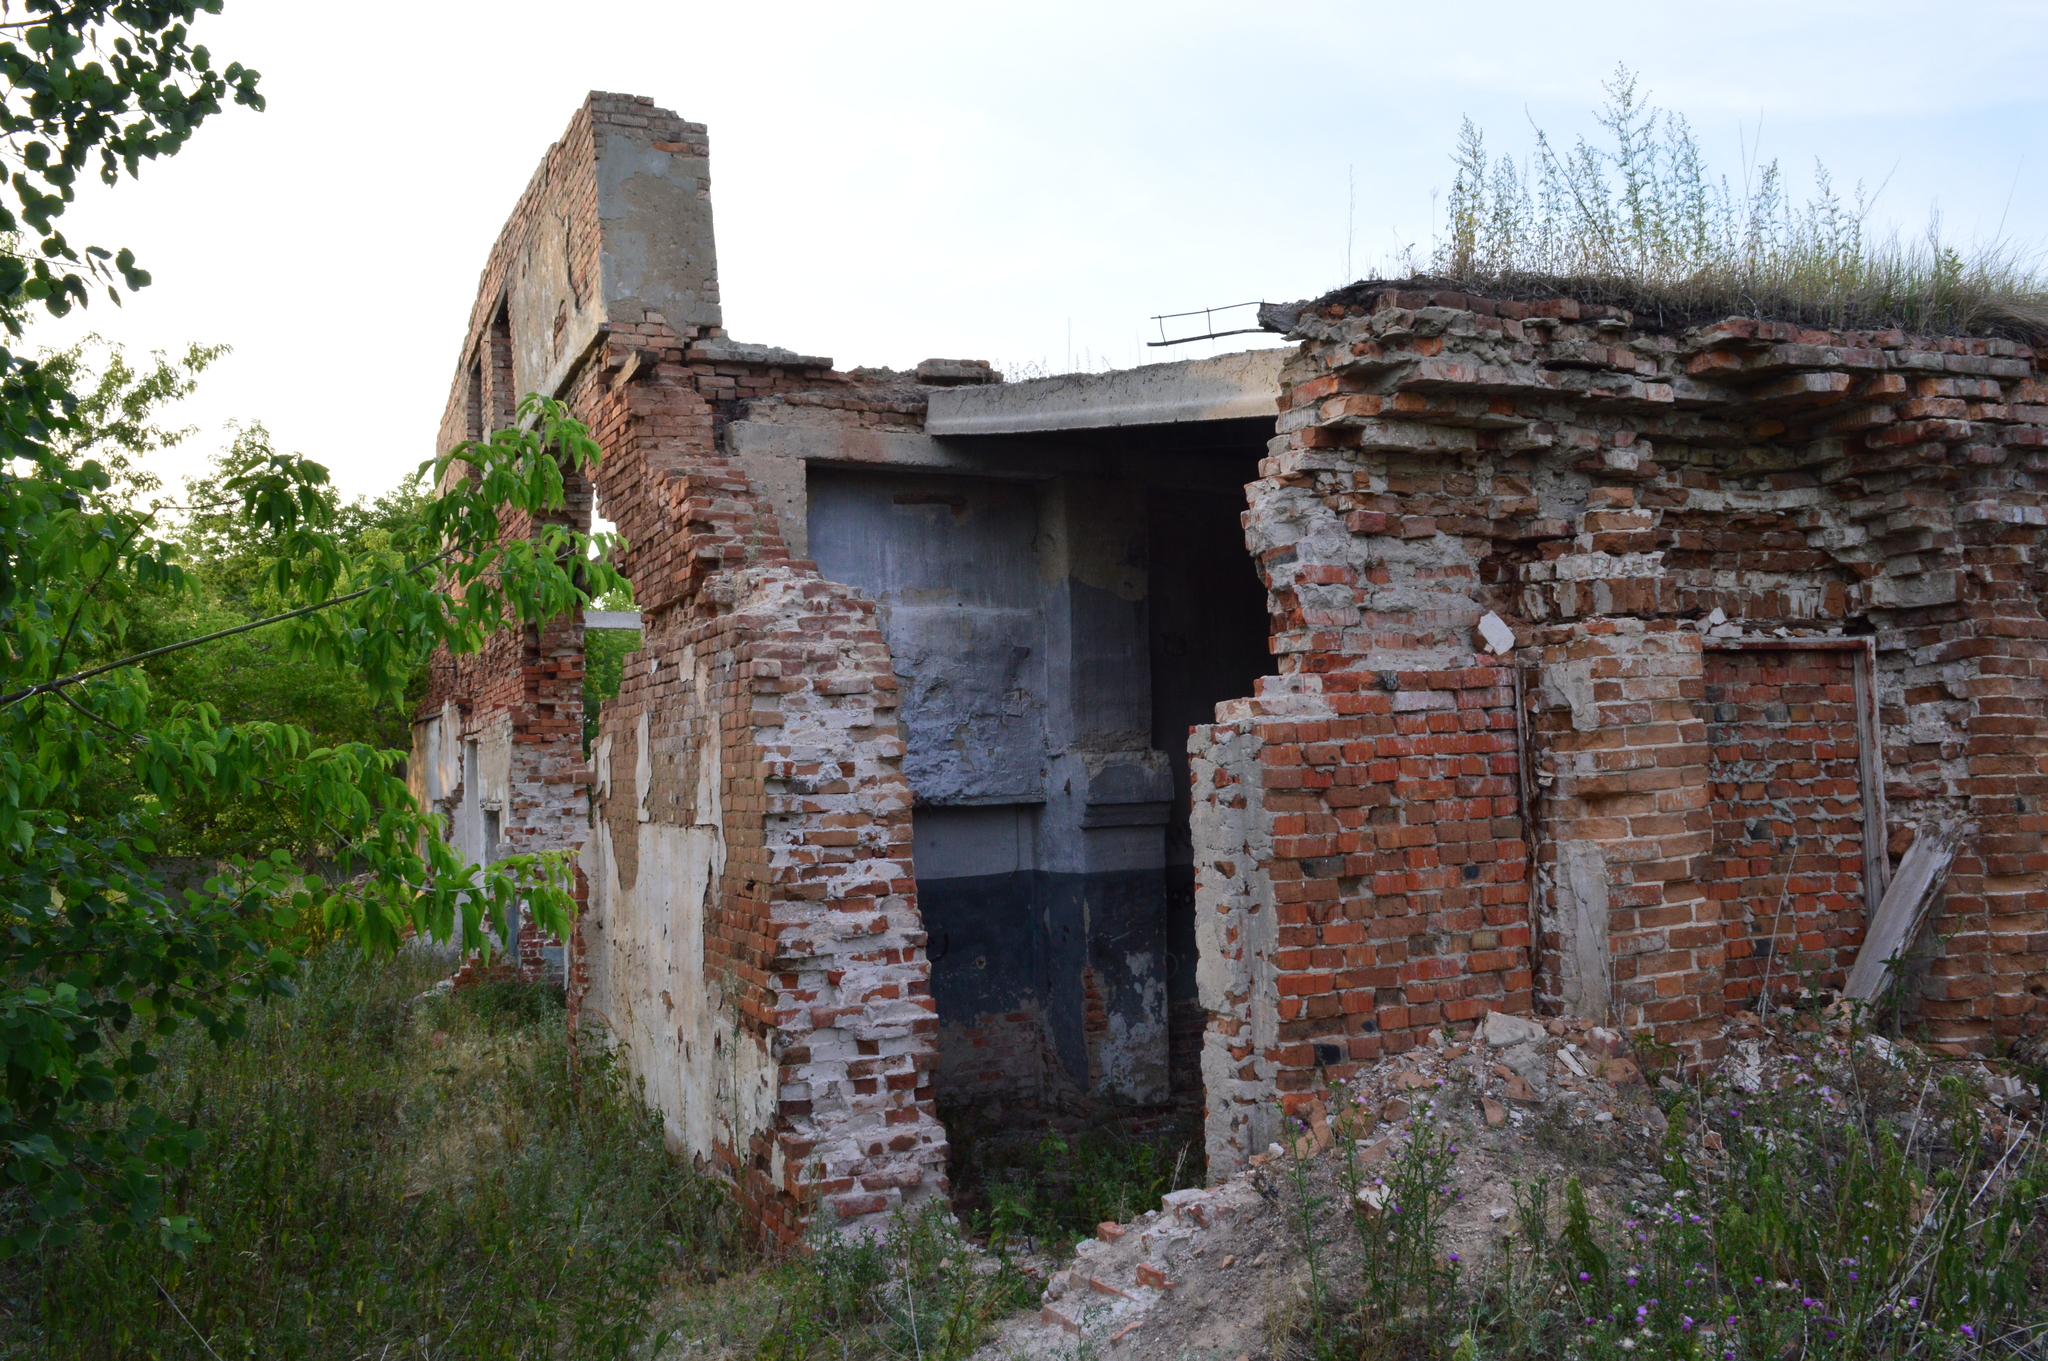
pixel 1209 630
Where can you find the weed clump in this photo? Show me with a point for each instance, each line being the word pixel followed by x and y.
pixel 1640 221
pixel 919 1289
pixel 1022 1189
pixel 1815 1205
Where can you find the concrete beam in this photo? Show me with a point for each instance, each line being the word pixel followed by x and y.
pixel 1227 387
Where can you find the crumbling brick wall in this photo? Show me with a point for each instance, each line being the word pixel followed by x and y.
pixel 1362 877
pixel 498 750
pixel 1764 602
pixel 1629 501
pixel 752 934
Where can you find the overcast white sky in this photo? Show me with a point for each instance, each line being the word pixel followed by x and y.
pixel 1020 183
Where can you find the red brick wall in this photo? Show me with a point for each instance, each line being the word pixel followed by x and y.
pixel 1621 773
pixel 812 945
pixel 1788 817
pixel 1606 488
pixel 1389 855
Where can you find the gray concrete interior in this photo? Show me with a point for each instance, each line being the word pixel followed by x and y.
pixel 1061 609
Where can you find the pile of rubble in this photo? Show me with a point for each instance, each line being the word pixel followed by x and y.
pixel 1219 1271
pixel 1513 1068
pixel 1214 1268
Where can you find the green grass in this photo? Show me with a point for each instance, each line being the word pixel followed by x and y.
pixel 1637 219
pixel 930 1288
pixel 391 1174
pixel 1050 1187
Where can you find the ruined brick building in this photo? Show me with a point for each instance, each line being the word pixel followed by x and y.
pixel 1197 730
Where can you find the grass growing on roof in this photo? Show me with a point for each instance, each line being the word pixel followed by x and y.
pixel 1639 220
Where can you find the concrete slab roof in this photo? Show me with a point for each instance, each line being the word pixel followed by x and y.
pixel 1226 387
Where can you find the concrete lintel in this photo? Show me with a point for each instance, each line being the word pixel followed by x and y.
pixel 1227 387
pixel 611 619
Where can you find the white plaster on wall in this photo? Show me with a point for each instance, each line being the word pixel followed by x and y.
pixel 679 1036
pixel 1580 921
pixel 494 763
pixel 643 766
pixel 1130 1057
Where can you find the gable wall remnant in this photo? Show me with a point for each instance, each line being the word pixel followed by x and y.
pixel 751 934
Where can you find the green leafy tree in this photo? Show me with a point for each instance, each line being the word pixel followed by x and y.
pixel 102 952
pixel 251 676
pixel 604 664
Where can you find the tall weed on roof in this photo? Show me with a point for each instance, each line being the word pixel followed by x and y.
pixel 1640 220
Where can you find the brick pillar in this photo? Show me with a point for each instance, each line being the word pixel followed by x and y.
pixel 1361 880
pixel 1989 985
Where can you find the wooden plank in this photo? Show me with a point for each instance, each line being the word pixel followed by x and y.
pixel 1922 871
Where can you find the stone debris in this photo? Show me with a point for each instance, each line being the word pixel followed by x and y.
pixel 1503 1030
pixel 1510 1069
pixel 1207 1272
pixel 1204 1269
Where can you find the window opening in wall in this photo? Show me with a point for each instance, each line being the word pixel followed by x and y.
pixel 473 404
pixel 503 402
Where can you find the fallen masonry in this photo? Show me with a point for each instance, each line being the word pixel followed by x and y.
pixel 1214 1270
pixel 1199 734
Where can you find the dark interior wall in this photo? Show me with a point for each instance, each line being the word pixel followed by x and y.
pixel 1056 629
pixel 1208 626
pixel 954 566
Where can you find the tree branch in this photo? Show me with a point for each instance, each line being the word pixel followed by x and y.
pixel 51 687
pixel 103 721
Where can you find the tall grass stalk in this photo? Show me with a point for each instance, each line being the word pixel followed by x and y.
pixel 1640 220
